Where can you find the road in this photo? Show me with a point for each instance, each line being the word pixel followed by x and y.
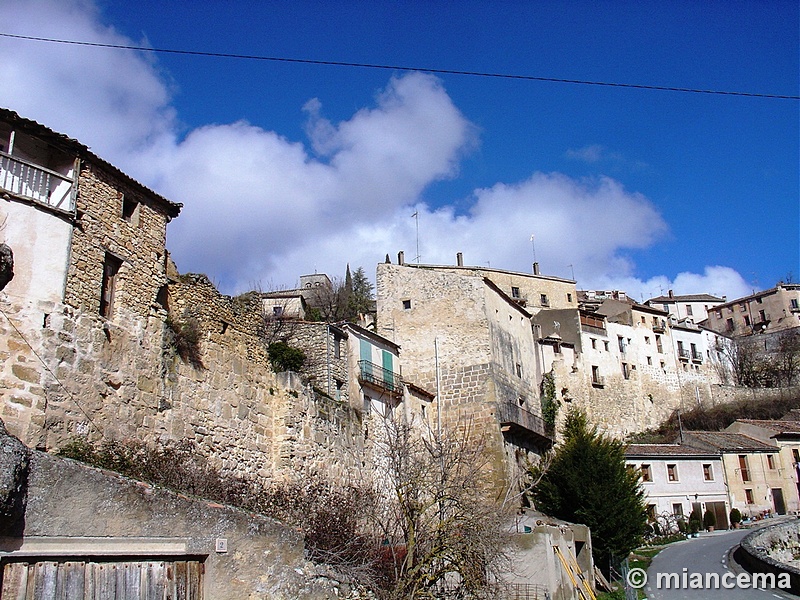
pixel 706 554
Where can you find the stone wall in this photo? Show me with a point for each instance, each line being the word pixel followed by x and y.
pixel 139 242
pixel 70 372
pixel 773 550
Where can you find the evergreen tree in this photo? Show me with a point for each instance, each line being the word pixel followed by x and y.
pixel 362 293
pixel 588 482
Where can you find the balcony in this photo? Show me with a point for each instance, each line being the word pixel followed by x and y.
pixel 683 354
pixel 32 182
pixel 659 326
pixel 378 377
pixel 519 420
pixel 697 357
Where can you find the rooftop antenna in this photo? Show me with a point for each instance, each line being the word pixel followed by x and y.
pixel 572 270
pixel 416 219
pixel 533 247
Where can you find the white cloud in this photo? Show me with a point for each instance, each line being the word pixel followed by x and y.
pixel 261 208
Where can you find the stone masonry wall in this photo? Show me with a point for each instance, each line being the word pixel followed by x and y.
pixel 69 372
pixel 140 243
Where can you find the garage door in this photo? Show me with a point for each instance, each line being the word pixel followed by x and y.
pixel 76 580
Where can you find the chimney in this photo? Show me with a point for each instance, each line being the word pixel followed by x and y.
pixel 536 268
pixel 401 258
pixel 671 294
pixel 460 259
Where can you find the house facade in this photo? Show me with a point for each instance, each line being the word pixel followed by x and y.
pixel 692 307
pixel 768 311
pixel 678 479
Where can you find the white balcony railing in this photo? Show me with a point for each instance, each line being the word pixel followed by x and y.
pixel 33 182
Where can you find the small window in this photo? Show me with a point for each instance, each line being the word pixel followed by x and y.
pixel 743 307
pixel 729 324
pixel 743 469
pixel 747 320
pixel 277 311
pixel 647 339
pixel 771 461
pixel 651 512
pixel 795 303
pixel 594 343
pixel 708 472
pixel 650 361
pixel 111 268
pixel 672 473
pixel 515 292
pixel 689 310
pixel 605 346
pixel 519 370
pixel 748 496
pixel 647 473
pixel 626 372
pixel 569 299
pixel 337 347
pixel 763 315
pixel 406 304
pixel 596 378
pixel 130 210
pixel 545 301
pixel 677 511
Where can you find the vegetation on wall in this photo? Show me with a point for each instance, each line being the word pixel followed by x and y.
pixel 716 418
pixel 550 403
pixel 183 334
pixel 587 481
pixel 284 357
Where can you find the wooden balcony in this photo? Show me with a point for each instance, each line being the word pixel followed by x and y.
pixel 26 180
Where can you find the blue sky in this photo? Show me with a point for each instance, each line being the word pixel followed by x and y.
pixel 288 168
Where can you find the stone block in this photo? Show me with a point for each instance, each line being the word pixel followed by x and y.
pixel 29 374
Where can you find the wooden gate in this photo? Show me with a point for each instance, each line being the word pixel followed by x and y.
pixel 77 580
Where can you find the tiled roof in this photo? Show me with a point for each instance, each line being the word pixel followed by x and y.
pixel 687 298
pixel 725 441
pixel 781 426
pixel 676 450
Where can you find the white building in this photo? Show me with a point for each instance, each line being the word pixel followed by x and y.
pixel 694 307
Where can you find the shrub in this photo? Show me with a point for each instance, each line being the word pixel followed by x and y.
pixel 185 336
pixel 736 516
pixel 284 357
pixel 709 519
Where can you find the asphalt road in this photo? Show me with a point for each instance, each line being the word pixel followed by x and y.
pixel 706 554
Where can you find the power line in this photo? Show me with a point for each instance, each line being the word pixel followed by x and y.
pixel 332 63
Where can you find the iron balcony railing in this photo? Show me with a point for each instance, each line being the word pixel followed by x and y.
pixel 697 357
pixel 511 414
pixel 379 377
pixel 34 182
pixel 683 354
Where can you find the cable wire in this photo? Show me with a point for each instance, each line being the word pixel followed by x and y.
pixel 308 61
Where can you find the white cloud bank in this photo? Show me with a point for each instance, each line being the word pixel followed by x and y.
pixel 260 208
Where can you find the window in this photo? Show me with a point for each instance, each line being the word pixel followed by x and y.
pixel 651 513
pixel 647 339
pixel 747 320
pixel 748 496
pixel 795 303
pixel 659 347
pixel 677 511
pixel 693 348
pixel 515 292
pixel 743 307
pixel 130 211
pixel 596 378
pixel 111 268
pixel 545 301
pixel 647 473
pixel 759 300
pixel 519 370
pixel 763 315
pixel 626 372
pixel 406 304
pixel 729 324
pixel 337 347
pixel 743 468
pixel 688 310
pixel 622 344
pixel 569 299
pixel 650 360
pixel 594 344
pixel 771 462
pixel 644 321
pixel 672 473
pixel 708 472
pixel 277 311
pixel 796 455
pixel 605 346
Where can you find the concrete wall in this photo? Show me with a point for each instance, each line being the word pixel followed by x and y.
pixel 40 241
pixel 74 511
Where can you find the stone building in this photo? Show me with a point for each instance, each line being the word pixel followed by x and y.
pixel 694 307
pixel 466 339
pixel 768 311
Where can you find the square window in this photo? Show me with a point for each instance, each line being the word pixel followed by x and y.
pixel 406 304
pixel 544 300
pixel 647 473
pixel 708 472
pixel 677 511
pixel 515 292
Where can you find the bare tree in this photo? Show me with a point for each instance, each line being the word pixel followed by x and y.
pixel 444 530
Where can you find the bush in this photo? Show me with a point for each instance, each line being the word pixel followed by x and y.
pixel 709 519
pixel 284 357
pixel 185 338
pixel 736 516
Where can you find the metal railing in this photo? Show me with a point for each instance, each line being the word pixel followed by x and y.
pixel 517 415
pixel 379 377
pixel 697 357
pixel 683 354
pixel 34 182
